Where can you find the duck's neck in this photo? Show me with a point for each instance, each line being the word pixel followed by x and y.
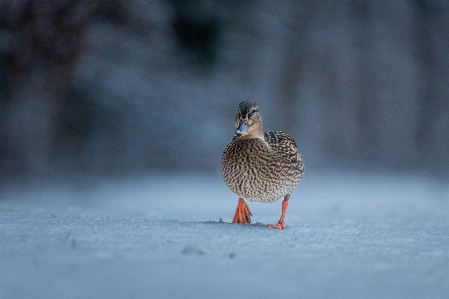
pixel 258 135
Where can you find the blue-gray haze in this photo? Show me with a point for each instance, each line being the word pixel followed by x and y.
pixel 115 87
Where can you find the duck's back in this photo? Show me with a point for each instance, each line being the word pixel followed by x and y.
pixel 262 170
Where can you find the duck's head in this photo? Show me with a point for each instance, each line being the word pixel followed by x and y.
pixel 248 121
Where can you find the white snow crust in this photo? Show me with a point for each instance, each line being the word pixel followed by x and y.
pixel 347 235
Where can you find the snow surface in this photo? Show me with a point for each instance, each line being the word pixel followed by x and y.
pixel 348 235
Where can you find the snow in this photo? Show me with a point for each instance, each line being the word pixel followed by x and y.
pixel 348 235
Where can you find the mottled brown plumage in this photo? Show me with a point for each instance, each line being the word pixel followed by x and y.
pixel 260 166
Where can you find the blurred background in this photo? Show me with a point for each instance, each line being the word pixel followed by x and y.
pixel 115 87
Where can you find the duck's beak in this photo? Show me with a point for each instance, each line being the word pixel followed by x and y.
pixel 242 129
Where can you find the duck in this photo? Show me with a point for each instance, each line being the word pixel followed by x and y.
pixel 260 166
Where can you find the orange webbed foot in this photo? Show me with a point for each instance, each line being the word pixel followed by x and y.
pixel 242 213
pixel 280 224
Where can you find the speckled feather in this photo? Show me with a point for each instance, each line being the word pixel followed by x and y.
pixel 262 170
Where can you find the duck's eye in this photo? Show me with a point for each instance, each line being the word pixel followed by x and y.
pixel 251 113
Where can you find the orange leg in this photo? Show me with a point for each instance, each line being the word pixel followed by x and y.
pixel 242 213
pixel 280 224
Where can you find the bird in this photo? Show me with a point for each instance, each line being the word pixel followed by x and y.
pixel 258 166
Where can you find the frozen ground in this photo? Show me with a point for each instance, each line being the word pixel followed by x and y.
pixel 347 236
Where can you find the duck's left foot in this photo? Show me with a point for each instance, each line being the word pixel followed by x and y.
pixel 279 225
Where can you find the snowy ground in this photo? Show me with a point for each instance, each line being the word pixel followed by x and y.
pixel 347 236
